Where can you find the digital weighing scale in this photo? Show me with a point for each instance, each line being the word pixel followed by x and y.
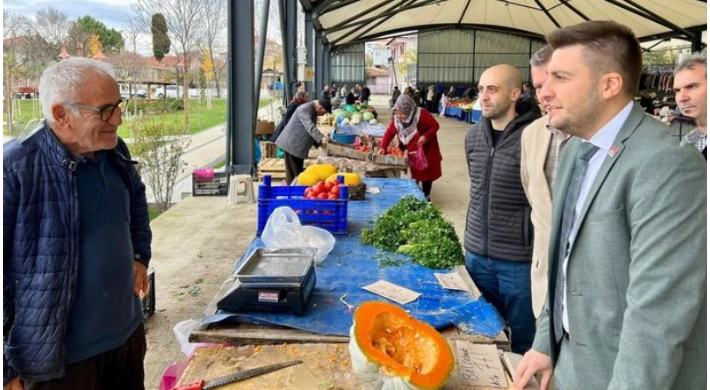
pixel 272 280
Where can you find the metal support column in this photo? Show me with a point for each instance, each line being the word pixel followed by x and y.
pixel 260 56
pixel 308 35
pixel 327 79
pixel 240 120
pixel 287 10
pixel 319 69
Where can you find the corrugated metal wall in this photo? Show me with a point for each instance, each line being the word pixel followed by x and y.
pixel 347 65
pixel 459 57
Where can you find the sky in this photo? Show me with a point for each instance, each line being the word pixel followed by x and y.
pixel 113 13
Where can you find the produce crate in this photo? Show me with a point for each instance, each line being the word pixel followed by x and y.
pixel 384 159
pixel 148 299
pixel 334 148
pixel 273 167
pixel 331 215
pixel 268 149
pixel 264 128
pixel 206 182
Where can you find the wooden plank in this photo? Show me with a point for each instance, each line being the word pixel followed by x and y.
pixel 325 366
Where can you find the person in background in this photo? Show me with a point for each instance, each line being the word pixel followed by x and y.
pixel 333 91
pixel 325 94
pixel 498 237
pixel 452 92
pixel 300 134
pixel 349 103
pixel 409 91
pixel 690 84
pixel 365 95
pixel 76 241
pixel 395 95
pixel 299 98
pixel 343 91
pixel 430 103
pixel 414 126
pixel 528 93
pixel 627 301
pixel 417 96
pixel 541 148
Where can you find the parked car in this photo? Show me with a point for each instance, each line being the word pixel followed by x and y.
pixel 174 92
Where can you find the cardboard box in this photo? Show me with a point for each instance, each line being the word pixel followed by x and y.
pixel 384 159
pixel 264 128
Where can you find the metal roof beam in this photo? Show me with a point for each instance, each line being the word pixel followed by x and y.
pixel 342 4
pixel 464 11
pixel 389 12
pixel 323 4
pixel 344 23
pixel 367 30
pixel 547 12
pixel 653 17
pixel 567 4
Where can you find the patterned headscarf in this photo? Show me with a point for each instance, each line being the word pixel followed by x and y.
pixel 300 97
pixel 406 129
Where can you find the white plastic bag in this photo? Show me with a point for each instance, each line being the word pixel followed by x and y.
pixel 284 230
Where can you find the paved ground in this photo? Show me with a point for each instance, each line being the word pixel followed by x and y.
pixel 198 241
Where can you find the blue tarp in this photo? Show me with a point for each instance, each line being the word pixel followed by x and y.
pixel 352 265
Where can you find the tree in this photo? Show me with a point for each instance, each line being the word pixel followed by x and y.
pixel 404 62
pixel 129 64
pixel 86 26
pixel 207 75
pixel 161 41
pixel 158 146
pixel 369 60
pixel 214 35
pixel 183 18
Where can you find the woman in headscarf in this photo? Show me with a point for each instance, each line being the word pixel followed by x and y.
pixel 299 98
pixel 413 126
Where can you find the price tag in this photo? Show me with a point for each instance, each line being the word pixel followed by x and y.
pixel 372 190
pixel 452 281
pixel 393 292
pixel 480 365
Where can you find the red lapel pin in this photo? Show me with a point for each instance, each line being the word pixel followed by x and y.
pixel 613 150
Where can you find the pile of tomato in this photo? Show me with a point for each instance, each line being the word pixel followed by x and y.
pixel 364 148
pixel 323 190
pixel 394 150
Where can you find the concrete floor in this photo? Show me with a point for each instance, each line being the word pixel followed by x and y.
pixel 199 240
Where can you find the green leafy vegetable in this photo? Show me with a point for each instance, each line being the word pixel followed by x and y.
pixel 416 228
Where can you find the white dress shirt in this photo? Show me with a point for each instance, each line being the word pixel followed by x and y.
pixel 603 139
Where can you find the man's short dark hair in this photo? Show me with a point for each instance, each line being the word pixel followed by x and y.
pixel 610 47
pixel 325 103
pixel 541 57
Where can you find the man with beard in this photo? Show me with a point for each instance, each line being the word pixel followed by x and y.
pixel 498 238
pixel 626 307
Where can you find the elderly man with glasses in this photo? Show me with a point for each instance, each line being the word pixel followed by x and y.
pixel 76 241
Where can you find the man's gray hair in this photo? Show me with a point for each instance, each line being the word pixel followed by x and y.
pixel 541 57
pixel 691 61
pixel 60 81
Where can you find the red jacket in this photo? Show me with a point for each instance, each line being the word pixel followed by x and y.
pixel 427 126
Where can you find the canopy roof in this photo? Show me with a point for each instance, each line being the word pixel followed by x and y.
pixel 351 21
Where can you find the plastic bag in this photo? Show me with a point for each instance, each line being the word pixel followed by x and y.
pixel 417 159
pixel 182 334
pixel 284 230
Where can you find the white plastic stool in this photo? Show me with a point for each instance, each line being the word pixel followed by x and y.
pixel 241 189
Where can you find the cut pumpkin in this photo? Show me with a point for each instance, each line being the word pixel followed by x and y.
pixel 392 350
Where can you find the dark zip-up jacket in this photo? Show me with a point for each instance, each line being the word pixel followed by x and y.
pixel 41 249
pixel 498 221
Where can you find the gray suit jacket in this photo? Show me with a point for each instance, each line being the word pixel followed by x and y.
pixel 300 133
pixel 637 272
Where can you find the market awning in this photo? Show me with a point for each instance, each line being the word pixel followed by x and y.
pixel 350 21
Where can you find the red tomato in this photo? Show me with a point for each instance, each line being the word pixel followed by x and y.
pixel 319 187
pixel 335 191
pixel 328 186
pixel 332 197
pixel 307 191
pixel 323 195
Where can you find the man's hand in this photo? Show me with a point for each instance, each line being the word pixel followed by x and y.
pixel 14 384
pixel 532 363
pixel 140 273
pixel 422 139
pixel 381 151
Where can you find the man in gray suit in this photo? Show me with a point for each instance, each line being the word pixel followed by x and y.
pixel 626 304
pixel 299 134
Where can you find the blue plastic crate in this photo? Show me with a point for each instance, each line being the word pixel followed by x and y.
pixel 331 215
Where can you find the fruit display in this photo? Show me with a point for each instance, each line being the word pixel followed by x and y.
pixel 328 189
pixel 389 349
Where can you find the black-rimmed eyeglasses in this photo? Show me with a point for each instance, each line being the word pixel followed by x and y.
pixel 104 112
